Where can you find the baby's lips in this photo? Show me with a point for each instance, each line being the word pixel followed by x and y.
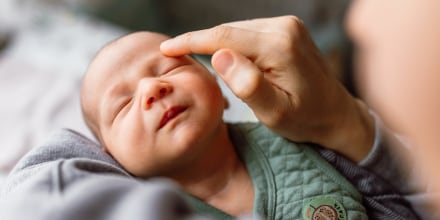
pixel 170 114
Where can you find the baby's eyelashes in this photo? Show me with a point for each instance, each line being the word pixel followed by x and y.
pixel 126 102
pixel 172 69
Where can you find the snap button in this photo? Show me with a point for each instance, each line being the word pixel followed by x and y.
pixel 324 208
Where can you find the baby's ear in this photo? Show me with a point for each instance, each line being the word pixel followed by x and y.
pixel 226 102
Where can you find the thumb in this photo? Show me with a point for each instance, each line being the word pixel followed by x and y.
pixel 245 80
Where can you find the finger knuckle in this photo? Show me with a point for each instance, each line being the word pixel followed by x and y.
pixel 293 32
pixel 246 93
pixel 221 32
pixel 187 39
pixel 292 23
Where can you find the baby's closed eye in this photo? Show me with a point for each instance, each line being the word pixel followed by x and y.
pixel 126 102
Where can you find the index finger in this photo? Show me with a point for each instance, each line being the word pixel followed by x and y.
pixel 269 25
pixel 208 41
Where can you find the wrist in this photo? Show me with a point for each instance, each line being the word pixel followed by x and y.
pixel 355 135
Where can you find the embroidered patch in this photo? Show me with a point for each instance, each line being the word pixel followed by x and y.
pixel 324 208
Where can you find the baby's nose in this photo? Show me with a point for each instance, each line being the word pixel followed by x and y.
pixel 154 91
pixel 162 92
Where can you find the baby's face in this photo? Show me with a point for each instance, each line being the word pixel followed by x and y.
pixel 152 113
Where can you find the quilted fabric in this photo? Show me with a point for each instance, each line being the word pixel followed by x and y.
pixel 287 176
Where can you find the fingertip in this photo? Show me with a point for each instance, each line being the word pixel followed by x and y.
pixel 176 46
pixel 222 60
pixel 166 46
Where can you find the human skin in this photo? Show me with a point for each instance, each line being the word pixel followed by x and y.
pixel 128 93
pixel 398 73
pixel 398 69
pixel 275 68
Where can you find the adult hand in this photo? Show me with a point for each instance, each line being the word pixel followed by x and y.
pixel 273 65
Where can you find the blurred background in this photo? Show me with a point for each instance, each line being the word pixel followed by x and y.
pixel 46 45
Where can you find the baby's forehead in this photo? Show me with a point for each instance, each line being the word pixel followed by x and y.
pixel 122 52
pixel 137 40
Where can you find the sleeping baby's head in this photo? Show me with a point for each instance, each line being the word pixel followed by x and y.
pixel 152 113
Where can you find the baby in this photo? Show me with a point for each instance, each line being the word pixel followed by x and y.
pixel 161 116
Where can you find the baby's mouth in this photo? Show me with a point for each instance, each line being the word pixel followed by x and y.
pixel 170 114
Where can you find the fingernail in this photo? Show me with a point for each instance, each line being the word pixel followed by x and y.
pixel 222 62
pixel 165 45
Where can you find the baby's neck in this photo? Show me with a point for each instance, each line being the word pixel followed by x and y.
pixel 219 177
pixel 235 195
